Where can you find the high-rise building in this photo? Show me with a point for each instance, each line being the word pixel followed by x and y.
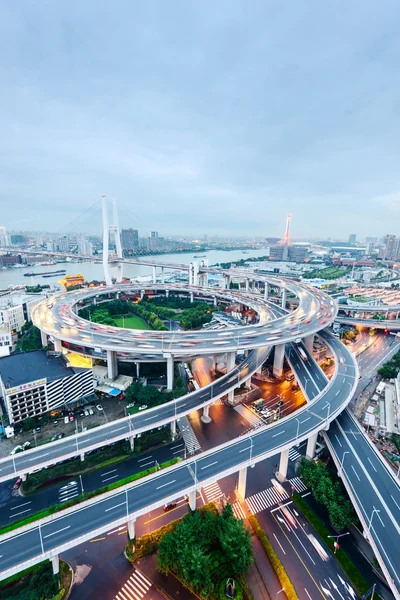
pixel 352 238
pixel 154 234
pixel 4 238
pixel 392 247
pixel 129 240
pixel 63 243
pixel 85 247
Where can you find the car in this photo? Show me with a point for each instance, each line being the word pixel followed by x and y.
pixel 99 407
pixel 17 484
pixel 86 412
pixel 55 423
pixel 16 449
pixel 280 403
pixel 143 407
pixel 38 430
pixel 91 411
pixel 81 414
pixel 66 419
pixel 131 405
pixel 71 418
pixel 25 445
pixel 169 506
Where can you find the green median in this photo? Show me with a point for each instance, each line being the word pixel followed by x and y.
pixel 86 496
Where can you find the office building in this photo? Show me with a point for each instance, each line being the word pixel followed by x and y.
pixel 85 247
pixel 392 247
pixel 33 383
pixel 291 253
pixel 352 238
pixel 129 241
pixel 63 243
pixel 4 237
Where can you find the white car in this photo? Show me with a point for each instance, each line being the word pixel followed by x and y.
pixel 91 411
pixel 99 407
pixel 143 407
pixel 86 412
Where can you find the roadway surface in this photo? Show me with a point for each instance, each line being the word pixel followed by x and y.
pixel 100 514
pixel 373 488
pixel 392 324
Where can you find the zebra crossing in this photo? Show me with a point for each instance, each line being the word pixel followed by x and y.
pixel 247 414
pixel 212 491
pixel 265 499
pixel 294 455
pixel 298 485
pixel 238 511
pixel 68 492
pixel 189 436
pixel 135 588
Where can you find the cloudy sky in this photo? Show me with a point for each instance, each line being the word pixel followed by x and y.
pixel 202 117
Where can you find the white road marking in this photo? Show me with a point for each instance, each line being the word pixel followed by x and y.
pixel 165 484
pixel 145 458
pixel 338 441
pixel 108 478
pixel 58 531
pixel 20 513
pixel 395 501
pixel 355 473
pixel 371 463
pixel 116 506
pixel 209 465
pixel 119 429
pixel 307 593
pixel 280 545
pixel 36 457
pixel 21 505
pixel 148 463
pixel 280 433
pixel 108 472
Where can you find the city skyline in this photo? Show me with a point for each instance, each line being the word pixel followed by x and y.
pixel 202 119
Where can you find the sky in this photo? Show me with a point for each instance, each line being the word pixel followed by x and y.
pixel 202 117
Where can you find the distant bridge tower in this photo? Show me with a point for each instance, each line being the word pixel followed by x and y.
pixel 106 238
pixel 286 239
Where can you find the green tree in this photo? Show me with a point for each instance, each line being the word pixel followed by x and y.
pixel 388 371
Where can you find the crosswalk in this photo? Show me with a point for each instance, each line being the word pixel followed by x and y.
pixel 265 499
pixel 212 491
pixel 135 588
pixel 298 485
pixel 238 511
pixel 68 492
pixel 294 455
pixel 189 436
pixel 247 414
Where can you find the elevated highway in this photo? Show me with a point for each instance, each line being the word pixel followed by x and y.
pixel 52 535
pixel 390 324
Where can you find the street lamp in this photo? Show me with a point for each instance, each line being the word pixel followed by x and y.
pixel 341 462
pixel 372 514
pixel 298 427
pixel 277 593
pixel 336 537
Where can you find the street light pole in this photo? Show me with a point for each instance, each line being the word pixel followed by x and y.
pixel 372 514
pixel 277 593
pixel 298 427
pixel 341 462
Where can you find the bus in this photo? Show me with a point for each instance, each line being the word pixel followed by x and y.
pixel 302 354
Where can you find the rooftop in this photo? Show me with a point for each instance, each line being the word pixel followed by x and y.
pixel 18 369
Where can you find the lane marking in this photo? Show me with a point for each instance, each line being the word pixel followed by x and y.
pixel 279 433
pixel 148 463
pixel 108 478
pixel 210 465
pixel 395 501
pixel 280 545
pixel 58 531
pixel 371 463
pixel 108 472
pixel 145 458
pixel 119 429
pixel 21 505
pixel 116 506
pixel 20 513
pixel 36 457
pixel 165 484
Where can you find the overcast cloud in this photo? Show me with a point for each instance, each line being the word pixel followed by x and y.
pixel 202 117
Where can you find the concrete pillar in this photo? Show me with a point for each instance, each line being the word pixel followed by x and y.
pixel 230 361
pixel 82 455
pixel 167 293
pixel 131 529
pixel 95 301
pixel 170 373
pixel 253 286
pixel 283 297
pixel 154 275
pixel 132 443
pixel 57 345
pixel 141 294
pixel 247 285
pixel 112 367
pixel 242 483
pixel 173 429
pixel 279 355
pixel 205 417
pixel 283 465
pixel 215 300
pixel 55 563
pixel 138 370
pixel 43 337
pixel 162 275
pixel 266 291
pixel 24 476
pixel 309 343
pixel 247 383
pixel 311 444
pixel 191 296
pixel 192 500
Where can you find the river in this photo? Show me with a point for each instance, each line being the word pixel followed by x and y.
pixel 92 271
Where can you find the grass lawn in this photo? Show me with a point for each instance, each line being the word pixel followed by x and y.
pixel 133 322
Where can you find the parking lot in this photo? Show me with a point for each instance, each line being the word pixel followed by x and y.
pixel 70 419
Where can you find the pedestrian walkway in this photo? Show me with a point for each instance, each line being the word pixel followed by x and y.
pixel 248 415
pixel 265 499
pixel 238 511
pixel 294 455
pixel 135 588
pixel 298 485
pixel 68 492
pixel 189 436
pixel 212 492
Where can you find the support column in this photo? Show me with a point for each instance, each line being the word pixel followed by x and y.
pixel 192 499
pixel 43 337
pixel 311 444
pixel 132 443
pixel 57 345
pixel 283 465
pixel 230 364
pixel 253 285
pixel 215 300
pixel 55 563
pixel 309 343
pixel 24 476
pixel 170 373
pixel 167 293
pixel 205 417
pixel 131 529
pixel 241 490
pixel 106 266
pixel 82 455
pixel 162 275
pixel 138 370
pixel 266 291
pixel 173 429
pixel 283 297
pixel 279 354
pixel 112 367
pixel 191 297
pixel 247 285
pixel 141 294
pixel 154 275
